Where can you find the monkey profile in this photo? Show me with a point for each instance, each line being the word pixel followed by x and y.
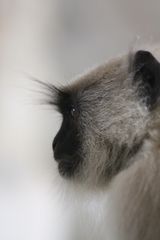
pixel 109 139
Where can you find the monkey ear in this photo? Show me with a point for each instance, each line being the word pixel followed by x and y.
pixel 147 75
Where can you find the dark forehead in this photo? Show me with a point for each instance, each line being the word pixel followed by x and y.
pixel 66 99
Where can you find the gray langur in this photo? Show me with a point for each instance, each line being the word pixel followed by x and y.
pixel 110 139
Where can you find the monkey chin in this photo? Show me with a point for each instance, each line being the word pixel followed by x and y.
pixel 66 169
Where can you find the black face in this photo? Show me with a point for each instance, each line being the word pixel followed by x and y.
pixel 66 144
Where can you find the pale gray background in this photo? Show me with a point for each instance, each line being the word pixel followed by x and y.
pixel 53 40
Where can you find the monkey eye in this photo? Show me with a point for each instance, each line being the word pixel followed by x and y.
pixel 73 111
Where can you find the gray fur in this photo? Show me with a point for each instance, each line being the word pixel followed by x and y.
pixel 120 147
pixel 112 120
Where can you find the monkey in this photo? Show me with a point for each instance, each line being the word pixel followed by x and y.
pixel 109 140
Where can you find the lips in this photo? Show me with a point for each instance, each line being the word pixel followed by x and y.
pixel 66 169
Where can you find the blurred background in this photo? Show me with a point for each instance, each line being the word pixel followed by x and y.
pixel 54 41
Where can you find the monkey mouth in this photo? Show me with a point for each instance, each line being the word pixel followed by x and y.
pixel 67 166
pixel 66 169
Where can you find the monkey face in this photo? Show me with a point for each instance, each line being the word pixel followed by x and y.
pixel 106 114
pixel 67 143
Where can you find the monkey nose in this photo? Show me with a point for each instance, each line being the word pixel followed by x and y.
pixel 57 151
pixel 54 145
